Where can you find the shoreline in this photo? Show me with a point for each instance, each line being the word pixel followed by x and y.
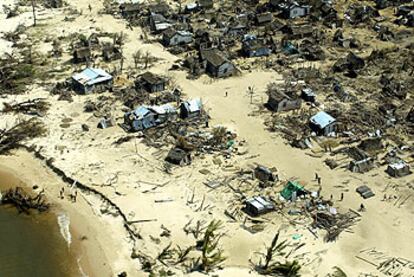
pixel 85 228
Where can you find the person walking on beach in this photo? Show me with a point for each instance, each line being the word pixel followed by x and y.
pixel 342 196
pixel 75 196
pixel 90 8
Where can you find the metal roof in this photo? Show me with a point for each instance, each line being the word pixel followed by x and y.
pixel 398 165
pixel 260 203
pixel 163 109
pixel 322 119
pixel 91 76
pixel 141 112
pixel 193 105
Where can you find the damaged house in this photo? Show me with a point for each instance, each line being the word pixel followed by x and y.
pixel 151 82
pixel 172 37
pixel 279 101
pixel 264 18
pixel 322 123
pixel 54 3
pixel 258 205
pixel 298 31
pixel 81 55
pixel 205 4
pixel 92 80
pixel 110 52
pixel 179 157
pixel 147 117
pixel 361 161
pixel 253 47
pixel 308 95
pixel 158 23
pixel 130 10
pixel 398 169
pixel 294 10
pixel 191 108
pixel 216 64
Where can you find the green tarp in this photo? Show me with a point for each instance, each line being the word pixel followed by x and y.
pixel 291 187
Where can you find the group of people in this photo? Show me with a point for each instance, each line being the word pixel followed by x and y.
pixel 318 179
pixel 72 196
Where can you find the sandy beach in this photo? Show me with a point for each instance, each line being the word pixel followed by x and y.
pixel 89 238
pixel 132 176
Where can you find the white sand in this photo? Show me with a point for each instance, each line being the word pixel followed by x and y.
pixel 90 158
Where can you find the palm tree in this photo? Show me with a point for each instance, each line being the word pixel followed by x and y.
pixel 277 268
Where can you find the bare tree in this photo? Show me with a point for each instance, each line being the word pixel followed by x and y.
pixel 147 59
pixel 34 12
pixel 137 56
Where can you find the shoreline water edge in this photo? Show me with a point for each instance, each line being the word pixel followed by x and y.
pixel 77 223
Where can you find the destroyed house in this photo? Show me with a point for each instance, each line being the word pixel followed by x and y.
pixel 111 53
pixel 258 205
pixel 264 174
pixel 410 115
pixel 236 29
pixel 191 108
pixel 159 8
pixel 54 3
pixel 129 10
pixel 361 166
pixel 361 162
pixel 322 123
pixel 398 169
pixel 81 55
pixel 151 82
pixel 298 31
pixel 92 80
pixel 206 4
pixel 216 64
pixel 170 37
pixel 292 190
pixel 308 95
pixel 252 47
pixel 295 10
pixel 191 7
pixel 178 156
pixel 264 18
pixel 371 144
pixel 279 101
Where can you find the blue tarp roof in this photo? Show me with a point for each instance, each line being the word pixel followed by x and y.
pixel 322 119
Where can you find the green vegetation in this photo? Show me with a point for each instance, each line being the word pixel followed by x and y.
pixel 273 267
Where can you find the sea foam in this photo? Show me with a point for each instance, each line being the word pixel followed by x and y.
pixel 64 223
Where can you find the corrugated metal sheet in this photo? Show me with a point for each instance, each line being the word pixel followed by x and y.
pixel 322 119
pixel 92 76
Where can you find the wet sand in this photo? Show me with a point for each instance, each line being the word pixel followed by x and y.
pixel 83 257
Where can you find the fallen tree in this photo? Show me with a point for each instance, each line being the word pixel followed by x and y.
pixel 13 137
pixel 37 106
pixel 23 201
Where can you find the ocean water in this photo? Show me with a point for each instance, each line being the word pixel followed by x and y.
pixel 33 246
